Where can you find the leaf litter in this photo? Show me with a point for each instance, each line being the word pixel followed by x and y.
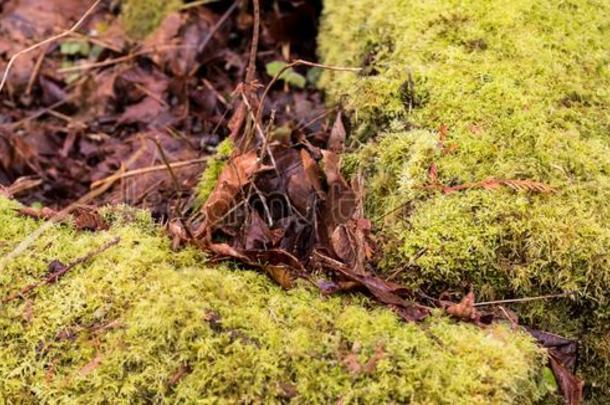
pixel 76 119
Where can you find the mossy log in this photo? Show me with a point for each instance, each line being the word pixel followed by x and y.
pixel 523 89
pixel 140 323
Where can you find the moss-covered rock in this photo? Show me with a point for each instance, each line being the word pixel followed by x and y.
pixel 524 89
pixel 140 323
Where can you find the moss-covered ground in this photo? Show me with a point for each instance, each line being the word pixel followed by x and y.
pixel 524 90
pixel 139 323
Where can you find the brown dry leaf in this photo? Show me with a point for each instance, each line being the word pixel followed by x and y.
pixel 17 156
pixel 350 361
pixel 386 292
pixel 312 172
pixel 24 22
pixel 280 274
pixel 465 309
pixel 237 173
pixel 88 219
pixel 182 372
pixel 92 365
pixel 177 41
pixel 371 364
pixel 336 140
pixel 147 88
pixel 257 234
pixel 344 245
pixel 562 360
pixel 571 386
pixel 288 390
pixel 566 350
pixel 341 202
pixel 177 232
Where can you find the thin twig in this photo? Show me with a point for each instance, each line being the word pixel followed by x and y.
pixel 22 184
pixel 42 112
pixel 172 175
pixel 53 277
pixel 145 170
pixel 255 38
pixel 96 41
pixel 124 58
pixel 196 3
pixel 35 71
pixel 11 61
pixel 217 26
pixel 59 216
pixel 525 299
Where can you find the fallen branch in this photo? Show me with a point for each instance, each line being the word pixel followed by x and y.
pixel 65 33
pixel 61 270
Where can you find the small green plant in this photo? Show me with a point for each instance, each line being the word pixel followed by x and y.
pixel 214 167
pixel 289 75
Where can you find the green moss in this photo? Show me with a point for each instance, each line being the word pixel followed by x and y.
pixel 524 88
pixel 141 17
pixel 215 166
pixel 121 327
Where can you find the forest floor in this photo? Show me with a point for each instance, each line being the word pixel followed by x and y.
pixel 117 112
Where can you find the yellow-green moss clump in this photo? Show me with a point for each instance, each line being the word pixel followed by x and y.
pixel 524 89
pixel 141 17
pixel 140 323
pixel 214 166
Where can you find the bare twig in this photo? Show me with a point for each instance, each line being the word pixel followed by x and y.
pixel 22 184
pixel 255 38
pixel 60 215
pixel 53 277
pixel 35 71
pixel 239 116
pixel 217 26
pixel 172 175
pixel 12 60
pixel 525 299
pixel 120 59
pixel 144 170
pixel 196 3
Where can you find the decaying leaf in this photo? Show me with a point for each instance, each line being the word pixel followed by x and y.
pixel 571 386
pixel 336 140
pixel 281 274
pixel 92 365
pixel 182 372
pixel 371 364
pixel 465 309
pixel 88 219
pixel 351 362
pixel 237 173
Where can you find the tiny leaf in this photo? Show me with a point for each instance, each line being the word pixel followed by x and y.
pixel 289 75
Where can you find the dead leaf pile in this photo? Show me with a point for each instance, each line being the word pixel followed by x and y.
pixel 85 108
